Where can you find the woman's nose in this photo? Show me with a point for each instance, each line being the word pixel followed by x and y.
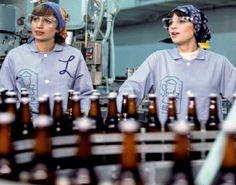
pixel 40 23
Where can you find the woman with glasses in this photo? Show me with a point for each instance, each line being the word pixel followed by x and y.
pixel 45 65
pixel 185 69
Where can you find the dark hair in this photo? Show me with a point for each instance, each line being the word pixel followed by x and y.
pixel 178 13
pixel 44 10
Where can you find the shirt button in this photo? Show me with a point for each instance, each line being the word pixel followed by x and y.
pixel 46 81
pixel 188 63
pixel 45 55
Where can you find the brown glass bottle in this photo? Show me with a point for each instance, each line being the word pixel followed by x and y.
pixel 84 173
pixel 68 111
pixel 11 108
pixel 8 166
pixel 132 107
pixel 95 114
pixel 76 107
pixel 227 170
pixel 26 127
pixel 111 121
pixel 195 125
pixel 192 117
pixel 58 127
pixel 181 172
pixel 124 106
pixel 42 169
pixel 129 171
pixel 3 93
pixel 171 114
pixel 43 106
pixel 48 108
pixel 3 97
pixel 76 113
pixel 153 123
pixel 213 121
pixel 1 105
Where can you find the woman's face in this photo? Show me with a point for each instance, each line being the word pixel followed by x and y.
pixel 181 30
pixel 44 28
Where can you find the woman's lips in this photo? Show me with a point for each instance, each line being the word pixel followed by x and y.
pixel 39 32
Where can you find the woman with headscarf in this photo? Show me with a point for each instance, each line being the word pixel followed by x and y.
pixel 185 69
pixel 45 65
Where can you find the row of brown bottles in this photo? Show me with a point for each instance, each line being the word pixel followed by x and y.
pixel 42 168
pixel 213 122
pixel 153 122
pixel 129 110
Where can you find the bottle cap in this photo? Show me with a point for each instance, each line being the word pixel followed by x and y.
pixel 129 125
pixel 25 100
pixel 181 127
pixel 132 96
pixel 6 118
pixel 83 124
pixel 57 94
pixel 112 95
pixel 10 100
pixel 42 121
pixel 151 95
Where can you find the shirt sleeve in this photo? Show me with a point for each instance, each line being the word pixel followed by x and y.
pixel 83 84
pixel 228 80
pixel 7 77
pixel 140 83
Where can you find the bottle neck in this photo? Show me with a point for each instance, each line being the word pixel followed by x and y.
pixel 112 108
pixel 124 108
pixel 76 109
pixel 25 113
pixel 57 110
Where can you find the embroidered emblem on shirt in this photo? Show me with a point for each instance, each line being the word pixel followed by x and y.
pixel 170 85
pixel 62 72
pixel 28 79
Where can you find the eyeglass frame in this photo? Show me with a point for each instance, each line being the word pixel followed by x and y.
pixel 185 19
pixel 45 20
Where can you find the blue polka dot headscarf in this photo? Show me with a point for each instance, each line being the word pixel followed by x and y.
pixel 198 19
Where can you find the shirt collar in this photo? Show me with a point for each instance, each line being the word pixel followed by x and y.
pixel 175 54
pixel 31 45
